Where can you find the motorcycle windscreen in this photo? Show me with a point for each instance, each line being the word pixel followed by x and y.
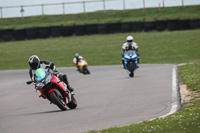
pixel 130 52
pixel 40 73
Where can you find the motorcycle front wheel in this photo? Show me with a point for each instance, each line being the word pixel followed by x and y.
pixel 86 71
pixel 131 74
pixel 58 101
pixel 73 103
pixel 131 68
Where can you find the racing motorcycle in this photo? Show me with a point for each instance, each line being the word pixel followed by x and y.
pixel 130 62
pixel 53 89
pixel 83 67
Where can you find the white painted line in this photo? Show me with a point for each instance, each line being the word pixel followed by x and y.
pixel 174 94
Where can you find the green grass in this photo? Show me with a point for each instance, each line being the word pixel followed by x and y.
pixel 190 75
pixel 156 48
pixel 186 120
pixel 110 16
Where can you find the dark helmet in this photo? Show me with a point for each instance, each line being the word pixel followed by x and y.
pixel 34 62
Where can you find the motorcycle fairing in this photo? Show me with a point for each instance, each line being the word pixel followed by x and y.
pixel 130 56
pixel 81 64
pixel 43 79
pixel 59 83
pixel 55 80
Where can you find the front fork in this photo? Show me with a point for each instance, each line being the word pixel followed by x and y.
pixel 68 95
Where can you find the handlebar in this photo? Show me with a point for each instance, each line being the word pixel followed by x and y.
pixel 29 82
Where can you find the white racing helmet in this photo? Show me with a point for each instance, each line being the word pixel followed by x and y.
pixel 76 55
pixel 129 39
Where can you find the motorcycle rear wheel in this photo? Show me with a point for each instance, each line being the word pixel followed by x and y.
pixel 58 101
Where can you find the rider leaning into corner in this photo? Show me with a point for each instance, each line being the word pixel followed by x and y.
pixel 76 59
pixel 129 45
pixel 35 63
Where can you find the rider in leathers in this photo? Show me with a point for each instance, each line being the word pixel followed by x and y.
pixel 129 45
pixel 76 59
pixel 35 63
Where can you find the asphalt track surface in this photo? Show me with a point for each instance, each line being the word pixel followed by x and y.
pixel 106 98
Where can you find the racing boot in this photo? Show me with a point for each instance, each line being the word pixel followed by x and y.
pixel 122 61
pixel 70 88
pixel 67 83
pixel 138 61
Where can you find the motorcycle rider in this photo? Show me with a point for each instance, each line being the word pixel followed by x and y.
pixel 35 63
pixel 76 59
pixel 129 45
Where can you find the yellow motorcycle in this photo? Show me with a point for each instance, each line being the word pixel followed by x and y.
pixel 83 67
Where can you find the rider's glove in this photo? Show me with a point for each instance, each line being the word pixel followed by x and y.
pixel 36 88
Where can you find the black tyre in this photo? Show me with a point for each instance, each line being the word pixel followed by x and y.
pixel 73 103
pixel 19 34
pixel 131 68
pixel 194 23
pixel 67 30
pixel 114 27
pixel 137 26
pixel 131 74
pixel 126 26
pixel 102 28
pixel 31 33
pixel 44 32
pixel 91 29
pixel 184 24
pixel 55 31
pixel 57 100
pixel 173 24
pixel 161 25
pixel 80 30
pixel 87 71
pixel 8 34
pixel 1 35
pixel 149 26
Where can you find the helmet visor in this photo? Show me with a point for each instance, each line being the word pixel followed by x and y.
pixel 129 40
pixel 34 66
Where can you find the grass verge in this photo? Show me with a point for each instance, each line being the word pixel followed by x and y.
pixel 156 48
pixel 186 120
pixel 110 16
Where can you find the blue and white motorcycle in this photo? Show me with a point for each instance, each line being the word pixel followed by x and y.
pixel 130 62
